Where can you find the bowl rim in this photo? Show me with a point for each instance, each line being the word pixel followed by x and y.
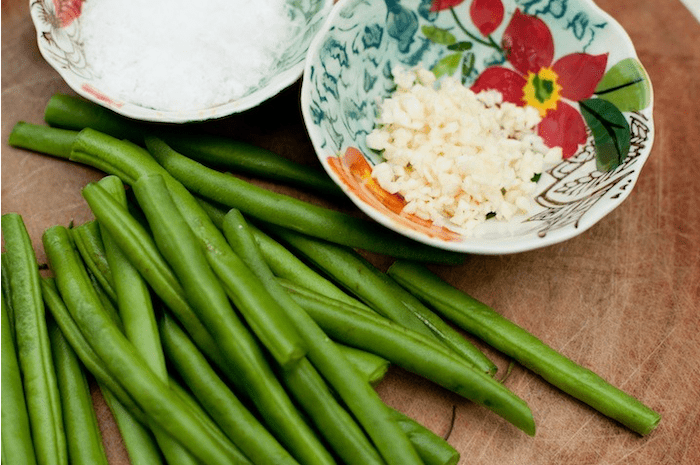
pixel 81 86
pixel 480 246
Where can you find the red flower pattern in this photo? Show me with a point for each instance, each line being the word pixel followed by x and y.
pixel 487 15
pixel 539 81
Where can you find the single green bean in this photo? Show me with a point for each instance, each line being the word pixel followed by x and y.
pixel 433 449
pixel 206 420
pixel 38 138
pixel 136 311
pixel 362 401
pixel 218 400
pixel 290 212
pixel 133 295
pixel 83 435
pixel 76 113
pixel 5 277
pixel 138 440
pixel 483 322
pixel 204 291
pixel 154 397
pixel 113 156
pixel 88 241
pixel 33 346
pixel 371 366
pixel 17 446
pixel 406 349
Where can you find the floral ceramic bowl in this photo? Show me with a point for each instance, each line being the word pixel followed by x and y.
pixel 569 59
pixel 60 37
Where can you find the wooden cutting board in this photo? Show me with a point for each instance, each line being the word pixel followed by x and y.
pixel 622 299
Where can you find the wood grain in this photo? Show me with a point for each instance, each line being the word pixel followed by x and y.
pixel 623 298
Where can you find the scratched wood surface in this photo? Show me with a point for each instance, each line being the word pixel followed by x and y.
pixel 623 298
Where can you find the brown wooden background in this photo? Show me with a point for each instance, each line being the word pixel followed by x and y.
pixel 623 298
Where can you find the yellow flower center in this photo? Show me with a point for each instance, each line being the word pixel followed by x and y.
pixel 541 90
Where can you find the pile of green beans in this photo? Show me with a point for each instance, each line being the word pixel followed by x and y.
pixel 73 113
pixel 225 324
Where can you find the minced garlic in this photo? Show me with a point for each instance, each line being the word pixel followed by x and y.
pixel 456 157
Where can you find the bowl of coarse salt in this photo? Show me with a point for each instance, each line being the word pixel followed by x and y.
pixel 177 61
pixel 481 126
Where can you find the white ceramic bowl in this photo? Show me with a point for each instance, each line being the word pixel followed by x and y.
pixel 348 73
pixel 58 25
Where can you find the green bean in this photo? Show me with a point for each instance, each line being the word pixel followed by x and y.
pixel 203 289
pixel 151 394
pixel 406 349
pixel 290 212
pixel 136 311
pixel 117 157
pixel 433 449
pixel 138 440
pixel 6 293
pixel 372 367
pixel 79 419
pixel 17 446
pixel 33 347
pixel 361 400
pixel 223 406
pixel 133 295
pixel 187 398
pixel 483 322
pixel 88 241
pixel 69 112
pixel 38 138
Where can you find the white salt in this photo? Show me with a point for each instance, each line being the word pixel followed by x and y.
pixel 183 55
